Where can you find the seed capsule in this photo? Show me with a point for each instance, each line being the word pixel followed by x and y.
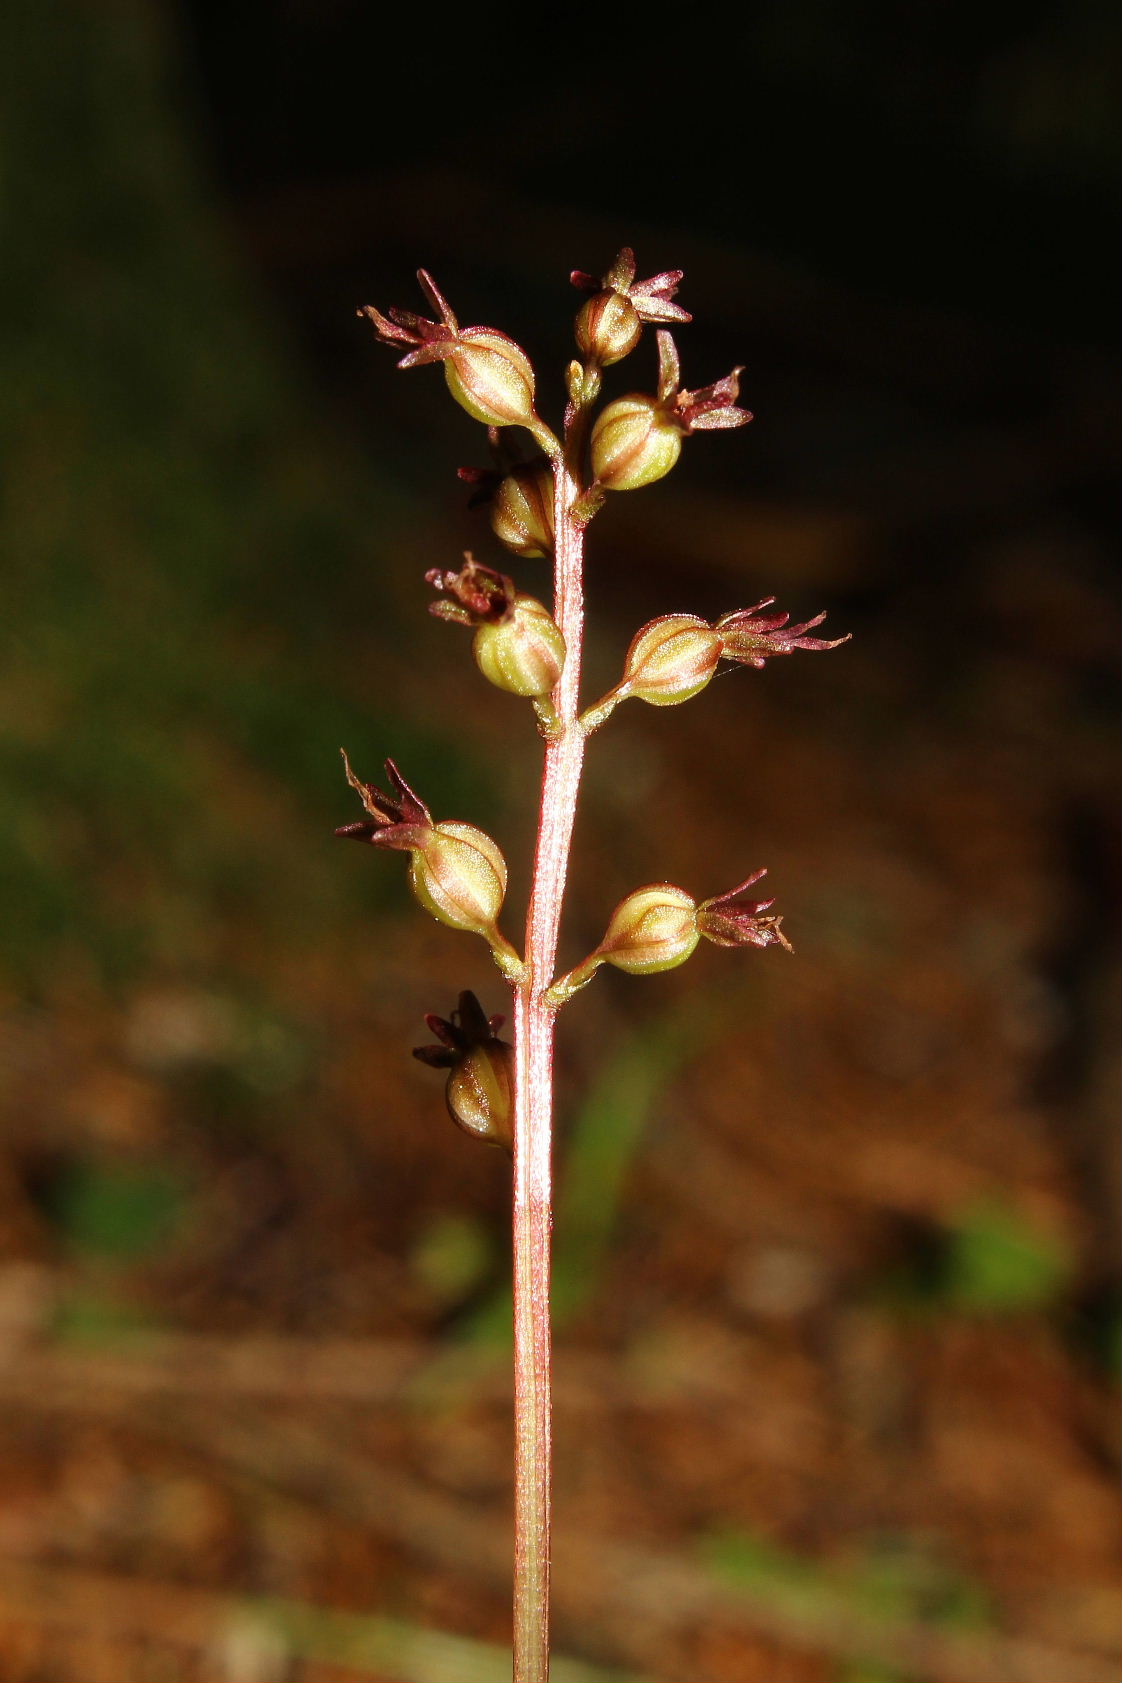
pixel 480 1093
pixel 671 659
pixel 459 875
pixel 633 443
pixel 608 328
pixel 654 928
pixel 522 510
pixel 523 653
pixel 491 377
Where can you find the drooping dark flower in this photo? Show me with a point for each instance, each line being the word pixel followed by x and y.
pixel 480 1089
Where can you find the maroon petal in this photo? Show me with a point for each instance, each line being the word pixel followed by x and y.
pixel 669 367
pixel 752 640
pixel 438 301
pixel 717 420
pixel 731 894
pixel 436 350
pixel 658 309
pixel 389 331
pixel 437 1057
pixel 664 285
pixel 652 298
pixel 584 282
pixel 621 273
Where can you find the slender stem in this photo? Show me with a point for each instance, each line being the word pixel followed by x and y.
pixel 533 1107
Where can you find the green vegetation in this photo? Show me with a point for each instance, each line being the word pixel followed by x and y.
pixel 118 1212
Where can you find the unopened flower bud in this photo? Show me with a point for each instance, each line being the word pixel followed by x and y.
pixel 459 875
pixel 522 510
pixel 670 660
pixel 480 1089
pixel 608 327
pixel 633 443
pixel 523 653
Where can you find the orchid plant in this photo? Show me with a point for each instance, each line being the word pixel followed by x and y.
pixel 498 1090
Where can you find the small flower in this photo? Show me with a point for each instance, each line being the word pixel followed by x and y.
pixel 476 595
pixel 650 299
pixel 634 442
pixel 674 657
pixel 480 1089
pixel 728 921
pixel 658 927
pixel 455 870
pixel 637 439
pixel 518 646
pixel 522 509
pixel 707 408
pixel 486 372
pixel 752 641
pixel 610 324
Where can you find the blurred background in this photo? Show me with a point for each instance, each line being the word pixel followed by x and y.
pixel 836 1303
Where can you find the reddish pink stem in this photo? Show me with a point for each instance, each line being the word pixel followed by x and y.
pixel 533 1115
